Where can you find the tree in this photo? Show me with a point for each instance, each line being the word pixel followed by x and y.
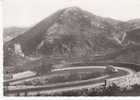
pixel 111 90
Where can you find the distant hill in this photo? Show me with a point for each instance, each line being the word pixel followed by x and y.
pixel 70 32
pixel 12 32
pixel 135 22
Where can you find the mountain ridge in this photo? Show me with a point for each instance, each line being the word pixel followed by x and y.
pixel 70 32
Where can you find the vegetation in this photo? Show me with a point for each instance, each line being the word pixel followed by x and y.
pixel 70 77
pixel 44 68
pixel 113 90
pixel 73 77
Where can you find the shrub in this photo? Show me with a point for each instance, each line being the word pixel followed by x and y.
pixel 111 90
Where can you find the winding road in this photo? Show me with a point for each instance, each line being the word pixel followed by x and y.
pixel 90 83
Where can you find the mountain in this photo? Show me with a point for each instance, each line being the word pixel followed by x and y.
pixel 70 32
pixel 135 22
pixel 11 32
pixel 133 36
pixel 130 52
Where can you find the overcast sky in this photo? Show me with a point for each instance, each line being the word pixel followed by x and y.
pixel 28 12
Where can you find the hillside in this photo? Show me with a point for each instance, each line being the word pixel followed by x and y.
pixel 70 32
pixel 12 32
pixel 133 35
pixel 135 22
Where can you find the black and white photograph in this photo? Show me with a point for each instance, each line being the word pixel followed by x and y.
pixel 71 48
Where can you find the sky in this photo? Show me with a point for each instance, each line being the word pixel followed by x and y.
pixel 26 13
